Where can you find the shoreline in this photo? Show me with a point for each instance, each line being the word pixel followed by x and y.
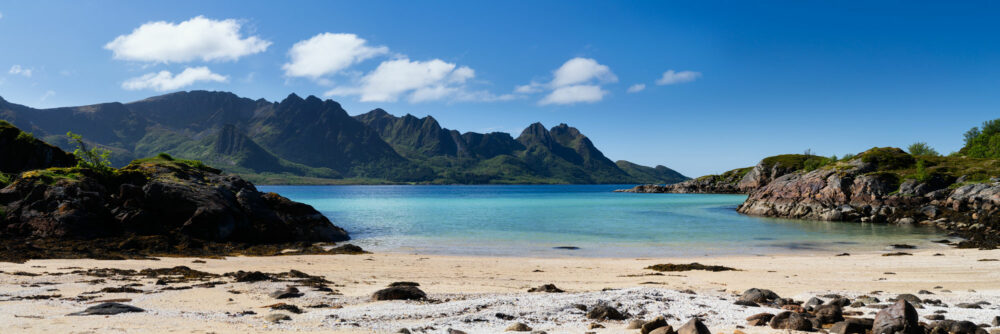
pixel 470 287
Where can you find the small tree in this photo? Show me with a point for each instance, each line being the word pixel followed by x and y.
pixel 922 149
pixel 93 158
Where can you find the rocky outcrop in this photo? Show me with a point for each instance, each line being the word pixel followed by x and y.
pixel 157 196
pixel 20 151
pixel 860 192
pixel 737 181
pixel 726 183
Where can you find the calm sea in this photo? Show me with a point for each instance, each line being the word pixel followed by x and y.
pixel 532 220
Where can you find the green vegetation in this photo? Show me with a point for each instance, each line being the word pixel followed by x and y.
pixel 983 142
pixel 887 158
pixel 55 174
pixel 730 176
pixel 5 179
pixel 921 149
pixel 797 162
pixel 94 158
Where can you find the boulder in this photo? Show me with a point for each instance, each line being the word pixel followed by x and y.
pixel 828 314
pixel 850 326
pixel 399 293
pixel 605 312
pixel 635 324
pixel 791 320
pixel 694 326
pixel 759 319
pixel 648 327
pixel 760 296
pixel 664 330
pixel 900 318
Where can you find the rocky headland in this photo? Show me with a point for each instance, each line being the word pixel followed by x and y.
pixel 53 207
pixel 882 185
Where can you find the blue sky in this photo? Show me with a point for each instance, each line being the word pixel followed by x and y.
pixel 750 79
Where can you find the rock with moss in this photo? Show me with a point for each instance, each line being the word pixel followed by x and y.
pixel 156 196
pixel 20 151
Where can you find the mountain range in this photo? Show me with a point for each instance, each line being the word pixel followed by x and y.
pixel 309 140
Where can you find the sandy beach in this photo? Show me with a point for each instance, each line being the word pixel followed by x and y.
pixel 467 292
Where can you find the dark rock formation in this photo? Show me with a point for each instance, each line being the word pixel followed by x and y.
pixel 158 196
pixel 791 320
pixel 20 151
pixel 694 326
pixel 399 293
pixel 605 312
pixel 900 318
pixel 760 296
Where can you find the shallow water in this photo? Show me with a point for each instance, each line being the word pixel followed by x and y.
pixel 530 220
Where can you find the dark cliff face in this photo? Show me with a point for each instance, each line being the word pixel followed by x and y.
pixel 21 152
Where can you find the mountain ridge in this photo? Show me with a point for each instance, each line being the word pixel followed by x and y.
pixel 311 140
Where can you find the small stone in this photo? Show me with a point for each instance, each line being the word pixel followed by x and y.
pixel 455 331
pixel 277 317
pixel 108 309
pixel 518 327
pixel 595 325
pixel 289 292
pixel 550 288
pixel 635 324
pixel 996 321
pixel 934 317
pixel 759 319
pixel 664 330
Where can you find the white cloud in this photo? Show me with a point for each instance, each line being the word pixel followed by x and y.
pixel 581 70
pixel 1 15
pixel 577 80
pixel 22 71
pixel 418 81
pixel 194 39
pixel 328 53
pixel 574 94
pixel 47 95
pixel 670 77
pixel 164 80
pixel 636 88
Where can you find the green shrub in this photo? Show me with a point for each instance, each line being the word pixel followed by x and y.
pixel 983 142
pixel 5 179
pixel 94 158
pixel 887 158
pixel 922 149
pixel 25 136
pixel 165 156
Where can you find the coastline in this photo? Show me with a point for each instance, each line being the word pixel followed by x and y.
pixel 475 286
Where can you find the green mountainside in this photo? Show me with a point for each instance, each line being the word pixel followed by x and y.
pixel 313 141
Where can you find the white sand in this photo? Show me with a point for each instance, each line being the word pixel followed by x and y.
pixel 471 290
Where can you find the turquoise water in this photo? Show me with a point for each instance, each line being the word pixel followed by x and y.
pixel 530 220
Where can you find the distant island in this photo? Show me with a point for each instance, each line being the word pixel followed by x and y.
pixel 313 141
